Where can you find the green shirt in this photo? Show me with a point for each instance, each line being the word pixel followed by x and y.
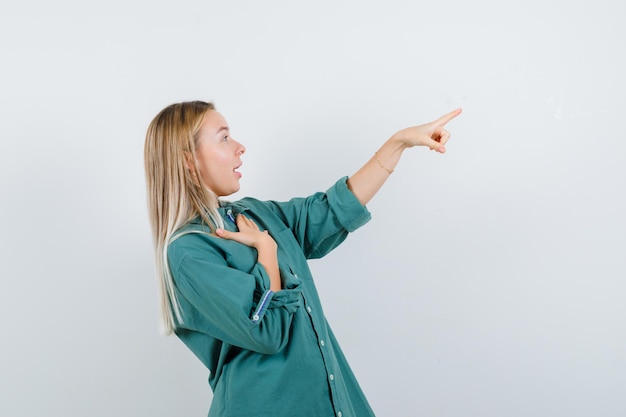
pixel 270 354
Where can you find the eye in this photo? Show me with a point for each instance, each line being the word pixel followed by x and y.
pixel 225 138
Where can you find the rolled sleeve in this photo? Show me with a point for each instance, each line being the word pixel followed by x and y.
pixel 349 211
pixel 319 222
pixel 287 298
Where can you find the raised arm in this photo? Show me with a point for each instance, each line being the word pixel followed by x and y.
pixel 366 182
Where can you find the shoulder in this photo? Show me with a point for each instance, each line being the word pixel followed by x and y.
pixel 193 241
pixel 251 203
pixel 266 210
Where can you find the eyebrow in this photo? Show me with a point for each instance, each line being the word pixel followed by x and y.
pixel 222 128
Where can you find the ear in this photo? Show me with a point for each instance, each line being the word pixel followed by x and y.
pixel 190 163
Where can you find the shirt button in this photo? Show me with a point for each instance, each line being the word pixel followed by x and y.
pixel 296 275
pixel 322 343
pixel 331 377
pixel 308 309
pixel 339 414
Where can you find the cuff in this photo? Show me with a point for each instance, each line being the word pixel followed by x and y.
pixel 348 209
pixel 288 297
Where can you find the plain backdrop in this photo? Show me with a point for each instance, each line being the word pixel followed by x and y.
pixel 491 280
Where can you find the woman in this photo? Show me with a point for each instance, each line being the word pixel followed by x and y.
pixel 234 282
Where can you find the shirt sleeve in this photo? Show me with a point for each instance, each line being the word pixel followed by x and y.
pixel 322 221
pixel 231 305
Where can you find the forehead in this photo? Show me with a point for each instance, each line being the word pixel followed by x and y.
pixel 212 123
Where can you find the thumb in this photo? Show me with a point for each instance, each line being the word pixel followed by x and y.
pixel 436 146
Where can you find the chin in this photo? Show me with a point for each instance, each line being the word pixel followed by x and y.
pixel 226 193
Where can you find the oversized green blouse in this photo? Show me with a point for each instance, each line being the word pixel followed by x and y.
pixel 270 354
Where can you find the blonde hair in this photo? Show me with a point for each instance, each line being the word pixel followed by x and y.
pixel 175 191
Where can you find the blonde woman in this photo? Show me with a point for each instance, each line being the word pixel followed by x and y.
pixel 233 277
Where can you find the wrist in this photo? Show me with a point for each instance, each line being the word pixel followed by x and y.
pixel 400 141
pixel 397 142
pixel 266 245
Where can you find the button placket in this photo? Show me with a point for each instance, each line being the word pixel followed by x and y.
pixel 324 351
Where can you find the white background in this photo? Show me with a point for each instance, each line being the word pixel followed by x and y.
pixel 491 280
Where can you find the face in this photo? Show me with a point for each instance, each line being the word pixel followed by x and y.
pixel 218 155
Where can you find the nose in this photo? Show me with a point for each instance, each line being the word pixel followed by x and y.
pixel 240 149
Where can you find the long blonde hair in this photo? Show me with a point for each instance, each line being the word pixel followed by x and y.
pixel 175 191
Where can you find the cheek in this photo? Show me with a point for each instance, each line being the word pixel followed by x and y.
pixel 214 164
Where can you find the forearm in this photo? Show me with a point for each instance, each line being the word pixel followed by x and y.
pixel 268 257
pixel 366 182
pixel 267 250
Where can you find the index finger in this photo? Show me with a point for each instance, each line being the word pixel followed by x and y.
pixel 446 118
pixel 247 222
pixel 241 220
